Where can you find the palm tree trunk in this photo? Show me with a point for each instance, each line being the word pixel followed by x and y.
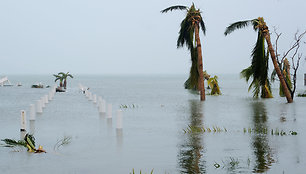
pixel 65 84
pixel 276 67
pixel 200 64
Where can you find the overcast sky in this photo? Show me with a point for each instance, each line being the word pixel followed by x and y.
pixel 133 37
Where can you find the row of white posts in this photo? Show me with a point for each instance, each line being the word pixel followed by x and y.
pixel 38 108
pixel 103 107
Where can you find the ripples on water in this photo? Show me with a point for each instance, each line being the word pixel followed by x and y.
pixel 152 135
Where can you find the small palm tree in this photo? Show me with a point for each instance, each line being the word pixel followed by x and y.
pixel 189 36
pixel 214 86
pixel 60 78
pixel 285 67
pixel 65 76
pixel 259 66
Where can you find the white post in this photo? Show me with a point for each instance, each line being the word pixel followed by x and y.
pixel 42 99
pixel 90 96
pixel 99 104
pixel 39 106
pixel 46 99
pixel 109 110
pixel 103 106
pixel 119 119
pixel 32 127
pixel 94 99
pixel 50 95
pixel 23 120
pixel 32 112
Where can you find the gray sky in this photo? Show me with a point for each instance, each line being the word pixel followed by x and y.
pixel 133 37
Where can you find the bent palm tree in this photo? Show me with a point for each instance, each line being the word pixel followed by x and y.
pixel 259 66
pixel 261 25
pixel 65 76
pixel 189 36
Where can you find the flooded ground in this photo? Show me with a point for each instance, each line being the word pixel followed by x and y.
pixel 158 128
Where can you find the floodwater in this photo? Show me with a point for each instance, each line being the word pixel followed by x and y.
pixel 158 111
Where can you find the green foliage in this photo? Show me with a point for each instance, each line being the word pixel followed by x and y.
pixel 133 172
pixel 187 38
pixel 241 24
pixel 265 131
pixel 259 66
pixel 177 7
pixel 214 86
pixel 202 129
pixel 62 142
pixel 286 72
pixel 58 77
pixel 302 94
pixel 28 142
pixel 13 143
pixel 124 106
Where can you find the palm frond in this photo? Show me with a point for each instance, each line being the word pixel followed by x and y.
pixel 202 24
pixel 61 73
pixel 237 25
pixel 185 35
pixel 176 7
pixel 30 140
pixel 259 60
pixel 256 88
pixel 192 81
pixel 246 73
pixel 13 143
pixel 273 76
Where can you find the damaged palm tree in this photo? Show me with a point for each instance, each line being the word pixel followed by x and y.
pixel 189 36
pixel 28 142
pixel 259 66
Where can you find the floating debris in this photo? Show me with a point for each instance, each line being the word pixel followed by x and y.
pixel 28 142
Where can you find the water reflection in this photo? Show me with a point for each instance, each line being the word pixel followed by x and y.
pixel 260 141
pixel 119 137
pixel 191 150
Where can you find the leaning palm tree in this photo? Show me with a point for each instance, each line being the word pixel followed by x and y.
pixel 60 78
pixel 259 66
pixel 65 76
pixel 260 25
pixel 189 36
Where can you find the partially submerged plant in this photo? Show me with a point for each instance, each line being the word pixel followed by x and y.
pixel 124 106
pixel 302 94
pixel 202 129
pixel 140 171
pixel 28 142
pixel 265 131
pixel 64 141
pixel 214 86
